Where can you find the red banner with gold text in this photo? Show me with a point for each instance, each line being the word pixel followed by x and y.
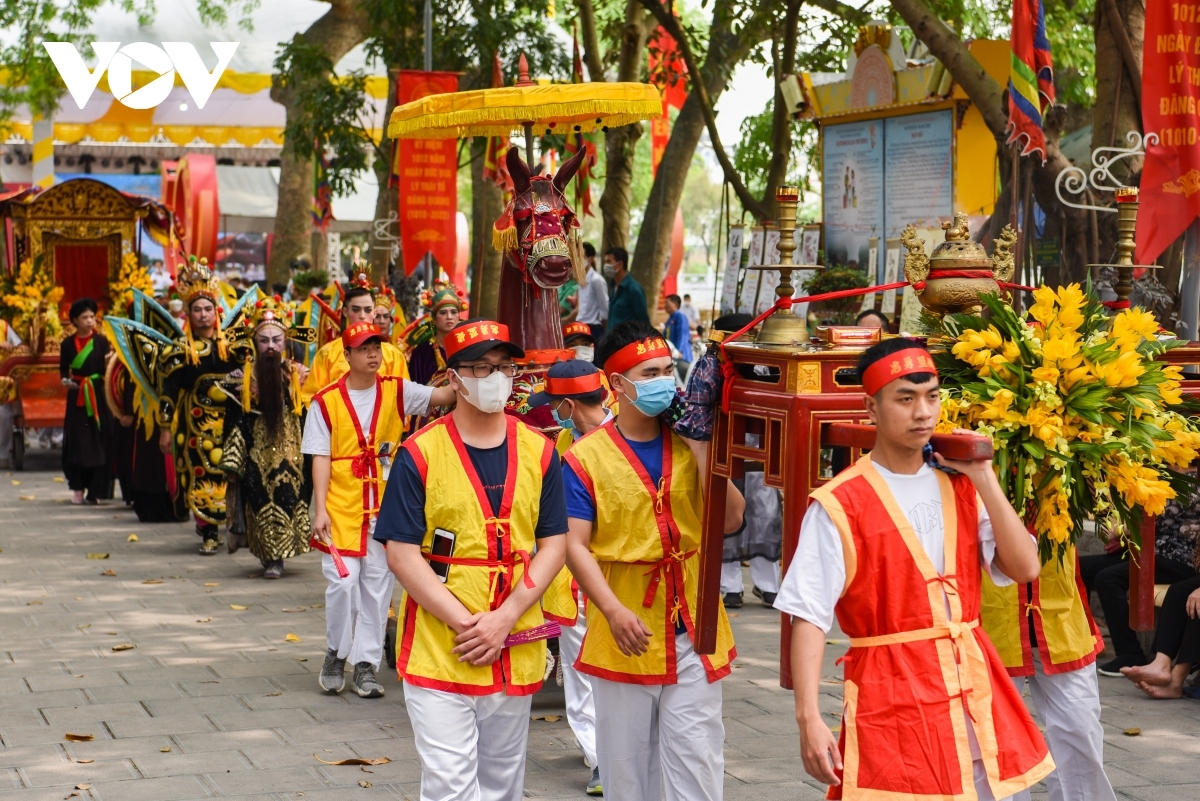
pixel 1170 190
pixel 669 74
pixel 427 170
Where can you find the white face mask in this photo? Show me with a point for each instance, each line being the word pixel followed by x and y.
pixel 488 395
pixel 585 352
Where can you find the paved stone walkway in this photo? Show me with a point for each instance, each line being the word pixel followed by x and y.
pixel 215 701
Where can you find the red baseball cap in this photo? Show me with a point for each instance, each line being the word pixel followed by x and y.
pixel 360 334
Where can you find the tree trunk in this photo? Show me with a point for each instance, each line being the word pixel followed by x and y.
pixel 487 204
pixel 781 121
pixel 591 40
pixel 619 143
pixel 386 200
pixel 1117 110
pixel 336 33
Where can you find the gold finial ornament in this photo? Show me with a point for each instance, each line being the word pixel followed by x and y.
pixel 785 327
pixel 952 278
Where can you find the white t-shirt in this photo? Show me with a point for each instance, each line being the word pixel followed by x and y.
pixel 817 573
pixel 593 299
pixel 317 438
pixel 691 313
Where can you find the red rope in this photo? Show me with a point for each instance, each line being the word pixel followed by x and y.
pixel 1115 305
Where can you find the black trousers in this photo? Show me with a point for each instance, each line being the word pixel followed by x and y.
pixel 1108 575
pixel 1177 634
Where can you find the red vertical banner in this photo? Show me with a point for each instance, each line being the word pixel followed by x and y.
pixel 1170 189
pixel 427 171
pixel 668 73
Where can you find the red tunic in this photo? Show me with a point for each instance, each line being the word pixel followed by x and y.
pixel 909 667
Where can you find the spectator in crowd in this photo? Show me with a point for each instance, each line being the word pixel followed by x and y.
pixel 160 279
pixel 690 312
pixel 628 300
pixel 1176 639
pixel 1175 543
pixel 593 295
pixel 568 299
pixel 678 332
pixel 872 319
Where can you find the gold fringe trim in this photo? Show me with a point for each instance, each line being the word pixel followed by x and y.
pixel 192 356
pixel 297 403
pixel 502 120
pixel 246 386
pixel 504 239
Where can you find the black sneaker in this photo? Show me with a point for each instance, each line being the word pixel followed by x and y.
pixel 1113 668
pixel 333 673
pixel 733 600
pixel 364 681
pixel 767 598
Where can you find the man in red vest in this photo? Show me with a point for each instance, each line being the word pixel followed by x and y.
pixel 896 549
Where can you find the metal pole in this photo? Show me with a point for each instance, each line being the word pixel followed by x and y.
pixel 428 36
pixel 1189 297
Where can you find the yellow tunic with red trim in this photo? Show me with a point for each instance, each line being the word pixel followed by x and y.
pixel 911 663
pixel 647 541
pixel 1067 637
pixel 491 552
pixel 330 364
pixel 356 471
pixel 561 600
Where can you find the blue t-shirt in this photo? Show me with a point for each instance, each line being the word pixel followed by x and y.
pixel 579 500
pixel 679 331
pixel 402 512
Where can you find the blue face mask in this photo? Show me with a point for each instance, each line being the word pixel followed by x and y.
pixel 567 424
pixel 654 395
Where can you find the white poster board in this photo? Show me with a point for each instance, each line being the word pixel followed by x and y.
pixel 810 244
pixel 733 266
pixel 750 284
pixel 891 269
pixel 769 279
pixel 868 301
pixel 333 256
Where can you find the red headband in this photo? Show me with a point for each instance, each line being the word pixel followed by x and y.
pixel 579 385
pixel 899 364
pixel 466 335
pixel 635 353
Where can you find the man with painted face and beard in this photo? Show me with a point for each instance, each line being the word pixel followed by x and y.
pixel 267 494
pixel 635 511
pixel 473 520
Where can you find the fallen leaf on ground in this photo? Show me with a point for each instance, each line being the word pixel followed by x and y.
pixel 212 584
pixel 165 750
pixel 78 675
pixel 364 770
pixel 72 795
pixel 355 761
pixel 316 606
pixel 84 626
pixel 547 718
pixel 297 609
pixel 83 787
pixel 732 614
pixel 364 783
pixel 16 483
pixel 272 695
pixel 29 497
pixel 302 659
pixel 78 597
pixel 113 633
pixel 97 556
pixel 109 572
pixel 85 761
pixel 204 620
pixel 78 738
pixel 291 637
pixel 124 646
pixel 132 538
pixel 388 726
pixel 153 581
pixel 238 607
pixel 1134 732
pixel 33 603
pixel 59 480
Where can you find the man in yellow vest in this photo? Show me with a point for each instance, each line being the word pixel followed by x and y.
pixel 635 511
pixel 330 364
pixel 473 518
pixel 1045 635
pixel 352 432
pixel 576 396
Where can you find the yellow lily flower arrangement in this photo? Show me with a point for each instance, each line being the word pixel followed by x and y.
pixel 29 300
pixel 1085 420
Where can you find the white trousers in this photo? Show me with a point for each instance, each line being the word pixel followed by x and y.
pixel 356 607
pixel 1069 706
pixel 662 742
pixel 764 575
pixel 581 704
pixel 472 747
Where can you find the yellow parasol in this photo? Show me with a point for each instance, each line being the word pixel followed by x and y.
pixel 563 108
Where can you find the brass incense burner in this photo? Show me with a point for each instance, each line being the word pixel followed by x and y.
pixel 951 279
